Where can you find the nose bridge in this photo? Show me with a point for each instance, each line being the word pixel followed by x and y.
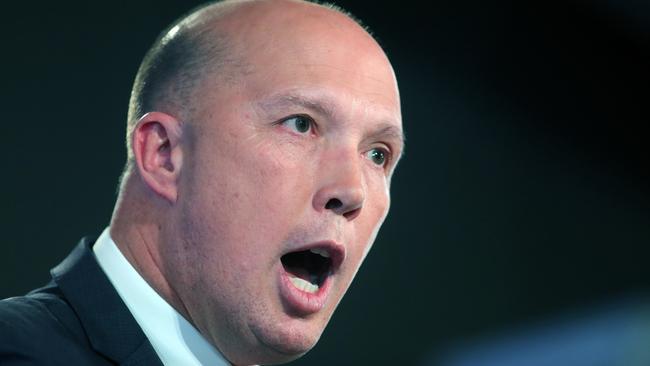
pixel 341 184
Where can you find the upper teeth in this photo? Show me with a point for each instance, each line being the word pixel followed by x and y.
pixel 322 252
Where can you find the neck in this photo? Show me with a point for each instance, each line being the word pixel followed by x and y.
pixel 137 228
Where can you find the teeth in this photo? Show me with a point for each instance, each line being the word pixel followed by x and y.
pixel 321 252
pixel 303 285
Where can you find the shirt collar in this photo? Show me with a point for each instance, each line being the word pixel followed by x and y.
pixel 173 338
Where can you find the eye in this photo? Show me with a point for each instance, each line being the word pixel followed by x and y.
pixel 299 124
pixel 378 156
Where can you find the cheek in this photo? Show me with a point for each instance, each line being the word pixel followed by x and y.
pixel 248 196
pixel 278 178
pixel 376 209
pixel 377 196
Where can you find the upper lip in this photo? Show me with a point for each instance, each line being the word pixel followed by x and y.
pixel 335 250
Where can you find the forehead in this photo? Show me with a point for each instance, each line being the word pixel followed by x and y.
pixel 307 52
pixel 270 34
pixel 298 54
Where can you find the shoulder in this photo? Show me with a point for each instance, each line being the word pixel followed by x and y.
pixel 39 327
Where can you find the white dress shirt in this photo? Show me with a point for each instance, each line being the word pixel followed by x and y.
pixel 173 338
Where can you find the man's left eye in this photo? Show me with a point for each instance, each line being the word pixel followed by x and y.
pixel 300 124
pixel 378 156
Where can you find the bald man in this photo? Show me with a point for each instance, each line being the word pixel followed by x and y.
pixel 262 137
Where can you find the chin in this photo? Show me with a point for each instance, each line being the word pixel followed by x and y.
pixel 287 344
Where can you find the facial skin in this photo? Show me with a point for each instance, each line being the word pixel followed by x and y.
pixel 288 156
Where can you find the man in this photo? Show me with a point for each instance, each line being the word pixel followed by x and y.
pixel 262 136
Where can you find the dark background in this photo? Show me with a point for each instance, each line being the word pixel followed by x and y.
pixel 524 192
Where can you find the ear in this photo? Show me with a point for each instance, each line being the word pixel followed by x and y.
pixel 158 153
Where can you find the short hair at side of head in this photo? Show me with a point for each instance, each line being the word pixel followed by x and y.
pixel 172 68
pixel 179 59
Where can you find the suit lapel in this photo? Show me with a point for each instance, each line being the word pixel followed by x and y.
pixel 110 327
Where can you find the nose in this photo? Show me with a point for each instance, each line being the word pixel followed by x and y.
pixel 341 187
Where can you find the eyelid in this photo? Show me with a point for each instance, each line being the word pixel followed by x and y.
pixel 294 115
pixel 312 121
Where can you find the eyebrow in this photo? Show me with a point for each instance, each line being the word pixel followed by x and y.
pixel 319 105
pixel 322 105
pixel 390 132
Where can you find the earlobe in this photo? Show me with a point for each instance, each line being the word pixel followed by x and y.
pixel 158 153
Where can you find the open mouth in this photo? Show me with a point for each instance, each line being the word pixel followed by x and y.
pixel 308 269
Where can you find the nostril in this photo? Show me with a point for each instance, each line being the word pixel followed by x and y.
pixel 337 206
pixel 333 204
pixel 352 213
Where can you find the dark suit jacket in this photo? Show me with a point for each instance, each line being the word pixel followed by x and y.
pixel 77 319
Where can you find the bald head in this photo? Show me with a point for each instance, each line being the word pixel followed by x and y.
pixel 202 42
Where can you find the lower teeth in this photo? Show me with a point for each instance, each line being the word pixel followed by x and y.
pixel 303 285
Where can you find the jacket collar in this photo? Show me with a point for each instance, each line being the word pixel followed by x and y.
pixel 108 323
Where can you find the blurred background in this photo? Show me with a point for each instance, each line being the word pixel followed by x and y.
pixel 520 226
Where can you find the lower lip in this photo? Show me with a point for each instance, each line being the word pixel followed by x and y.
pixel 302 302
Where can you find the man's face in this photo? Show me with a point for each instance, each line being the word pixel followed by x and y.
pixel 296 156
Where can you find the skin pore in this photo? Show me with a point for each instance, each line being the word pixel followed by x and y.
pixel 296 149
